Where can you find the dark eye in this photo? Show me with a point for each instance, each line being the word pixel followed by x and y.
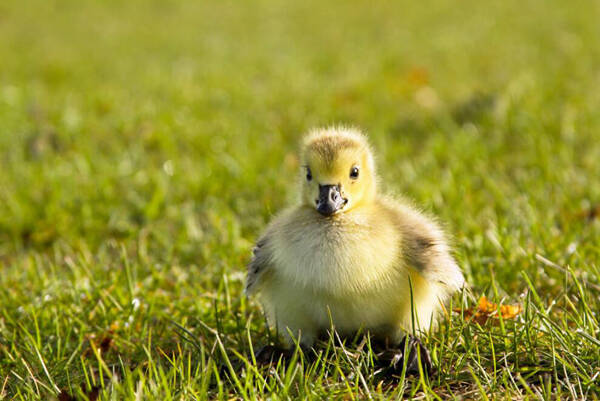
pixel 354 173
pixel 308 174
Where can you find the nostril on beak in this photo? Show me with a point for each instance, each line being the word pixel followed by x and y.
pixel 330 200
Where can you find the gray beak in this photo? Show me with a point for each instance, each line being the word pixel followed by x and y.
pixel 330 200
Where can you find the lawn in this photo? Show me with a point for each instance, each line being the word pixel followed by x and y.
pixel 145 144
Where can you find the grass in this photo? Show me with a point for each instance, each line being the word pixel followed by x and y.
pixel 145 144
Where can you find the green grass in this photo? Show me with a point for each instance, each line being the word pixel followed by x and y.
pixel 144 145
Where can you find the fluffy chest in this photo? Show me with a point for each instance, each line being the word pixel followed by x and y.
pixel 338 257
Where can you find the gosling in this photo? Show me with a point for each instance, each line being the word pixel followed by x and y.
pixel 350 257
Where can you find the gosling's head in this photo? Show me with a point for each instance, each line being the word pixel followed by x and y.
pixel 338 170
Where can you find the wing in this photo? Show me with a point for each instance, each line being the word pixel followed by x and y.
pixel 431 256
pixel 259 265
pixel 428 252
pixel 426 249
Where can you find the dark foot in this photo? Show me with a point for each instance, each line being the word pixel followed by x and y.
pixel 271 353
pixel 395 358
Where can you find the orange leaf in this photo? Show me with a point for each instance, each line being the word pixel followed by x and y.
pixel 488 310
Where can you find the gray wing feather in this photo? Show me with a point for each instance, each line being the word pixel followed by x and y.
pixel 427 251
pixel 431 256
pixel 258 265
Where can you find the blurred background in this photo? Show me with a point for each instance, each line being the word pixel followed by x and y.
pixel 162 115
pixel 164 134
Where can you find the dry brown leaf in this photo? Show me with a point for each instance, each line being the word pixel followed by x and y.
pixel 418 76
pixel 486 310
pixel 589 214
pixel 105 344
pixel 91 395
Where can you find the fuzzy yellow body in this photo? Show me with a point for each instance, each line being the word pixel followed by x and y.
pixel 377 264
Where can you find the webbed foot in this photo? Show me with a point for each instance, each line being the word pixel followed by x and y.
pixel 396 358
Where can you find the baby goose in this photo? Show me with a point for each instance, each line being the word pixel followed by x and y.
pixel 348 256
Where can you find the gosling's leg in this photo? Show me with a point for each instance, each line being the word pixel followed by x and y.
pixel 268 354
pixel 396 358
